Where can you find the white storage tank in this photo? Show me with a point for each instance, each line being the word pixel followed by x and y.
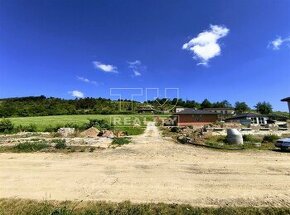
pixel 234 137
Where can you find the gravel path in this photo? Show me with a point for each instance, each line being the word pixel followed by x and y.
pixel 151 169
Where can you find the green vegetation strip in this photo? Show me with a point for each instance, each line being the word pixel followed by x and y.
pixel 121 141
pixel 128 124
pixel 42 123
pixel 31 207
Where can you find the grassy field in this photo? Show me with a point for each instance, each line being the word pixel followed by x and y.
pixel 43 122
pixel 23 207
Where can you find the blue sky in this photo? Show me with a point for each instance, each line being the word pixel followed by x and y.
pixel 235 50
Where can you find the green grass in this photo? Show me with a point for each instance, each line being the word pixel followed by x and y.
pixel 28 147
pixel 44 123
pixel 121 141
pixel 32 207
pixel 132 131
pixel 220 142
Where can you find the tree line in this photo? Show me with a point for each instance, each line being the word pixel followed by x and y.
pixel 43 106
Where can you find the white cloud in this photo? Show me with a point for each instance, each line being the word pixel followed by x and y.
pixel 77 94
pixel 278 42
pixel 136 67
pixel 136 73
pixel 205 46
pixel 105 67
pixel 83 79
pixel 86 80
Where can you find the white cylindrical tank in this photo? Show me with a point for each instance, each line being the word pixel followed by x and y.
pixel 234 137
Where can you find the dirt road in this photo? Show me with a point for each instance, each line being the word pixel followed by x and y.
pixel 150 169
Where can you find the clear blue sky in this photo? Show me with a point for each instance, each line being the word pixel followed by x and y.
pixel 63 48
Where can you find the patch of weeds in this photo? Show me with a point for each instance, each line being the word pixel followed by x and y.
pixel 32 207
pixel 132 130
pixel 92 149
pixel 26 128
pixel 30 147
pixel 175 129
pixel 99 124
pixel 270 138
pixel 6 126
pixel 251 138
pixel 72 149
pixel 120 141
pixel 59 144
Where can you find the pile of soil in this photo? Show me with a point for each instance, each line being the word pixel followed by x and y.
pixel 91 132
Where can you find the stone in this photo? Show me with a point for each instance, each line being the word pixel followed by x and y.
pixel 65 132
pixel 119 133
pixel 91 132
pixel 108 134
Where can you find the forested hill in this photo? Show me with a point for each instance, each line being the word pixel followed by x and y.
pixel 42 106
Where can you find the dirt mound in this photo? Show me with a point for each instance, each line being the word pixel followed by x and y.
pixel 91 132
pixel 107 133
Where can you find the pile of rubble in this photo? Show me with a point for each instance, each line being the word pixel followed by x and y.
pixel 90 133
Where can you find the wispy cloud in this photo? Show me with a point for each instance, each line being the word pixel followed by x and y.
pixel 77 94
pixel 136 67
pixel 86 80
pixel 105 67
pixel 278 42
pixel 205 46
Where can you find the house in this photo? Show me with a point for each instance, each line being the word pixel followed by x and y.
pixel 178 109
pixel 249 119
pixel 288 101
pixel 145 109
pixel 222 111
pixel 195 117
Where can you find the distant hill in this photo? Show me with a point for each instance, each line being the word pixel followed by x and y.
pixel 43 106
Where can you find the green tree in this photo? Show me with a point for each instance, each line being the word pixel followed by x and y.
pixel 206 104
pixel 241 107
pixel 264 107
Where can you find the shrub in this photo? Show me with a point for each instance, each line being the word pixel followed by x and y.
pixel 72 125
pixel 98 123
pixel 6 125
pixel 250 138
pixel 30 147
pixel 132 130
pixel 59 144
pixel 270 138
pixel 175 129
pixel 121 141
pixel 51 128
pixel 30 128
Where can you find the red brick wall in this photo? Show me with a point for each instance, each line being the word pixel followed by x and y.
pixel 203 119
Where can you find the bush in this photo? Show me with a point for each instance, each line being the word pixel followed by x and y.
pixel 30 147
pixel 60 144
pixel 6 126
pixel 29 128
pixel 51 128
pixel 175 129
pixel 99 124
pixel 270 138
pixel 120 141
pixel 132 130
pixel 250 138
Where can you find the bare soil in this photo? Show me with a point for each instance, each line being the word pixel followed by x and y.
pixel 151 169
